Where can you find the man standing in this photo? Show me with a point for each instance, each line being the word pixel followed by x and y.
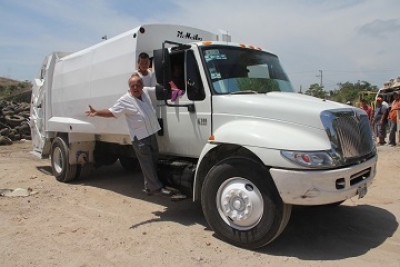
pixel 393 118
pixel 143 125
pixel 379 121
pixel 367 108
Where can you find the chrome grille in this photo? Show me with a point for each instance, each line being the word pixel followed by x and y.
pixel 354 135
pixel 350 134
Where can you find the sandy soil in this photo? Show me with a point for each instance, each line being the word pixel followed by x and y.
pixel 105 220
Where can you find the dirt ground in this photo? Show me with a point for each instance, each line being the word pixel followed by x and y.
pixel 105 220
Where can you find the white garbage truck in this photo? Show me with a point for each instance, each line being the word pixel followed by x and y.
pixel 239 139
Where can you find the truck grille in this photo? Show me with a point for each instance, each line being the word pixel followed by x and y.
pixel 355 136
pixel 350 134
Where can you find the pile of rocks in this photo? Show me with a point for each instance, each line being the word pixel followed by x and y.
pixel 14 122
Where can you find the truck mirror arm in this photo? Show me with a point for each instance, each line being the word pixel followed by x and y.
pixel 190 107
pixel 163 93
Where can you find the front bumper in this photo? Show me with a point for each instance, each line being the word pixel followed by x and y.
pixel 300 187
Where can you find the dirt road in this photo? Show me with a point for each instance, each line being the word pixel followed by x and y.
pixel 105 220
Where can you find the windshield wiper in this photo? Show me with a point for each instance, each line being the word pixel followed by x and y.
pixel 243 92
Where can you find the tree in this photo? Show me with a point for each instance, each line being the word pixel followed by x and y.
pixel 351 91
pixel 317 91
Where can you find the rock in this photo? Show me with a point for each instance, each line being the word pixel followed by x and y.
pixel 3 192
pixel 18 192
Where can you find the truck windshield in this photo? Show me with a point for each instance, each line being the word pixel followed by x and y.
pixel 235 70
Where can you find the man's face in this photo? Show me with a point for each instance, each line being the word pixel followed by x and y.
pixel 135 86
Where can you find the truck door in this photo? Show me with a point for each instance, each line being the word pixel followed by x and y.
pixel 185 131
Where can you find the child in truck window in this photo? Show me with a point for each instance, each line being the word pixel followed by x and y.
pixel 144 71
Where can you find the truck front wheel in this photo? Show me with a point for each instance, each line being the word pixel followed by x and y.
pixel 62 170
pixel 242 205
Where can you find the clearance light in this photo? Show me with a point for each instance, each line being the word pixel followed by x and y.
pixel 242 45
pixel 259 48
pixel 207 43
pixel 211 138
pixel 251 47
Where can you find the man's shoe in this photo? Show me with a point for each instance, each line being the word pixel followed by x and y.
pixel 147 191
pixel 173 190
pixel 159 192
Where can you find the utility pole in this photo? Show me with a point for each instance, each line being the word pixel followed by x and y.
pixel 320 75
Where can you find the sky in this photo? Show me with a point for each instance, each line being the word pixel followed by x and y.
pixel 340 40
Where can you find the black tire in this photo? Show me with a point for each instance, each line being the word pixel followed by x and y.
pixel 5 132
pixel 5 141
pixel 26 136
pixel 24 127
pixel 130 164
pixel 83 171
pixel 242 187
pixel 104 159
pixel 25 114
pixel 14 120
pixel 62 170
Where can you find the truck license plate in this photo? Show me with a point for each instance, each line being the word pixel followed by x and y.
pixel 362 191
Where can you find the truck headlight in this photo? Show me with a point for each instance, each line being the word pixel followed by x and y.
pixel 311 159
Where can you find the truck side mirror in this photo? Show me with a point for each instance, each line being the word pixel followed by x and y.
pixel 162 93
pixel 162 66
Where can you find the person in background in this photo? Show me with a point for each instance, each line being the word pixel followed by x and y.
pixel 144 71
pixel 379 121
pixel 367 108
pixel 386 104
pixel 395 106
pixel 143 125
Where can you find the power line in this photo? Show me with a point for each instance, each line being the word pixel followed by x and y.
pixel 347 71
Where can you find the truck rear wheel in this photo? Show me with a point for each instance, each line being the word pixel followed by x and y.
pixel 242 205
pixel 83 171
pixel 62 170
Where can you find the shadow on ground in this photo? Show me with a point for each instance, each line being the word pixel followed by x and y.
pixel 313 233
pixel 331 233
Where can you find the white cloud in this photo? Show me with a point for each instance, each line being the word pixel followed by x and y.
pixel 381 28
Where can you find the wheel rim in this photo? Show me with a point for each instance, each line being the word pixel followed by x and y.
pixel 240 203
pixel 58 160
